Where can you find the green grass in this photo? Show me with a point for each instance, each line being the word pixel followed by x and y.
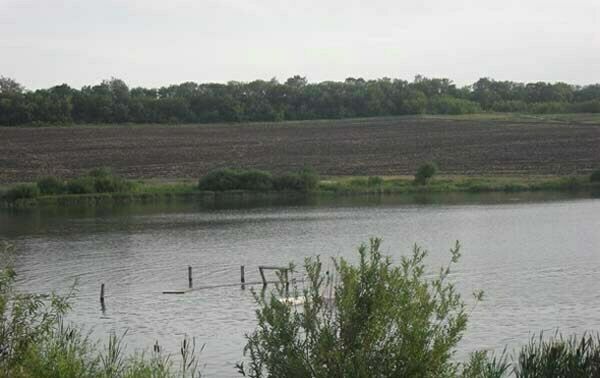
pixel 441 184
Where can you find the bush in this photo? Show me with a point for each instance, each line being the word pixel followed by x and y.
pixel 288 181
pixel 111 184
pixel 51 185
pixel 254 179
pixel 382 321
pixel 595 176
pixel 220 179
pixel 22 191
pixel 235 179
pixel 81 185
pixel 309 178
pixel 99 180
pixel 425 173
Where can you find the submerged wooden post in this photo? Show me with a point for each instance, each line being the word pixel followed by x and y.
pixel 102 296
pixel 190 276
pixel 242 278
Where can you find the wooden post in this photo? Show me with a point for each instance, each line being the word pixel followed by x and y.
pixel 242 278
pixel 262 275
pixel 287 284
pixel 102 297
pixel 190 276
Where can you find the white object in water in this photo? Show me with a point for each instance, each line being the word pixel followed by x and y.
pixel 293 300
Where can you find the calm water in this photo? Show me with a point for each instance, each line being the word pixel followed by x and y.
pixel 536 256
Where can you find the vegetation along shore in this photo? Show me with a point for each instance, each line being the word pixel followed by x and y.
pixel 101 186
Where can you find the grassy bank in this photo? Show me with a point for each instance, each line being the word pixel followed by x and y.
pixel 148 191
pixel 442 184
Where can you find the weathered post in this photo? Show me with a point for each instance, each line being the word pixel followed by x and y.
pixel 262 275
pixel 242 277
pixel 287 283
pixel 190 276
pixel 102 297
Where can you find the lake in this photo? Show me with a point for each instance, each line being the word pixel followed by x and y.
pixel 536 256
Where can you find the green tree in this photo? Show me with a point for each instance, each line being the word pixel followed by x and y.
pixel 425 173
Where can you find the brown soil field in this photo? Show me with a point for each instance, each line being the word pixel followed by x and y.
pixel 381 146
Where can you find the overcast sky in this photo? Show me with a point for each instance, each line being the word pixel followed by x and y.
pixel 158 42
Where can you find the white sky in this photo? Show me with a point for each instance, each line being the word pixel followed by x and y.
pixel 158 42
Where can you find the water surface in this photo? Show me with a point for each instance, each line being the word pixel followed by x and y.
pixel 537 257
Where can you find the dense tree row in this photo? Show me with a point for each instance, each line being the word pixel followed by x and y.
pixel 112 101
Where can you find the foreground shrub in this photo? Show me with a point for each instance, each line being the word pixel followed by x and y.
pixel 25 320
pixel 51 185
pixel 595 176
pixel 22 191
pixel 383 321
pixel 36 343
pixel 425 173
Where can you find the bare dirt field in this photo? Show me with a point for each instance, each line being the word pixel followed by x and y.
pixel 383 146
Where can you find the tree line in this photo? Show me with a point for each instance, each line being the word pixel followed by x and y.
pixel 112 101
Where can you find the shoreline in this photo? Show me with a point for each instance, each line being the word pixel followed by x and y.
pixel 154 191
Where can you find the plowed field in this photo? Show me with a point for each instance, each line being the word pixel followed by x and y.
pixel 384 146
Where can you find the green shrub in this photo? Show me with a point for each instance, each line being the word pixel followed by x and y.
pixel 309 178
pixel 381 321
pixel 51 185
pixel 595 176
pixel 220 179
pixel 254 179
pixel 237 179
pixel 99 180
pixel 288 181
pixel 425 173
pixel 111 184
pixel 22 191
pixel 81 185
